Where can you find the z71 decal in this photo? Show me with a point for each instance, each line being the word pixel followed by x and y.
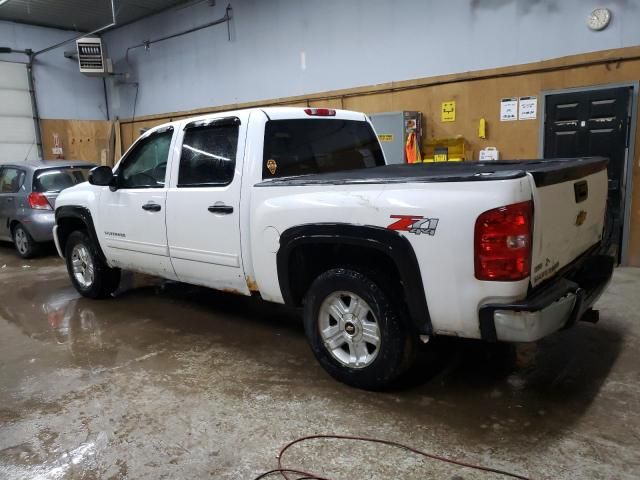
pixel 414 224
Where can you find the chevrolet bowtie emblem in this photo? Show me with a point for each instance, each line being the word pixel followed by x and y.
pixel 582 216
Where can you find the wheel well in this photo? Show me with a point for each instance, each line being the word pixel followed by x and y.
pixel 12 225
pixel 310 260
pixel 66 226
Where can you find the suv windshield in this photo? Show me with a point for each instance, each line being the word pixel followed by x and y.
pixel 300 147
pixel 57 179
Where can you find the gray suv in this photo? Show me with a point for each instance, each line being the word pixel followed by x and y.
pixel 27 198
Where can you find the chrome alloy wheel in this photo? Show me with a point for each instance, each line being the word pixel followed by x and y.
pixel 21 241
pixel 349 330
pixel 83 269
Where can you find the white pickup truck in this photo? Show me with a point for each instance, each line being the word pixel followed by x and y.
pixel 298 207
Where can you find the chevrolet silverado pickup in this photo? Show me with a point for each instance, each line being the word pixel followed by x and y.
pixel 297 206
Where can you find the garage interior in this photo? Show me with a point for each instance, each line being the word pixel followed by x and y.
pixel 169 380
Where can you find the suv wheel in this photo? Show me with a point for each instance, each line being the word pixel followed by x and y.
pixel 25 245
pixel 354 332
pixel 90 275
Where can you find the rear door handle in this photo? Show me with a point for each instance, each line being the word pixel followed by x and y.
pixel 151 207
pixel 224 209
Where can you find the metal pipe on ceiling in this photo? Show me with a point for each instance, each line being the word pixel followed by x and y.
pixel 227 17
pixel 94 32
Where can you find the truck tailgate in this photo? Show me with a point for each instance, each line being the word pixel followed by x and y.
pixel 570 199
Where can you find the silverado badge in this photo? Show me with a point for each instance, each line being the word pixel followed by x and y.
pixel 272 166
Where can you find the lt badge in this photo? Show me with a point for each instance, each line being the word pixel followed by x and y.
pixel 272 166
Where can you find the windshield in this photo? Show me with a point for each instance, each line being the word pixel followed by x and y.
pixel 57 179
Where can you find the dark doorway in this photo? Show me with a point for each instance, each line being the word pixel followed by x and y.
pixel 594 123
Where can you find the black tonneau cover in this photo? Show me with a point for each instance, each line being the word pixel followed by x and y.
pixel 544 171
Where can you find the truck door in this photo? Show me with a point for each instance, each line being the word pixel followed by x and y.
pixel 203 205
pixel 131 222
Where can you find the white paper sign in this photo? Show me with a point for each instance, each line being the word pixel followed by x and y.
pixel 508 109
pixel 528 108
pixel 489 154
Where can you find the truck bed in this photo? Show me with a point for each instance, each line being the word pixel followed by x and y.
pixel 544 171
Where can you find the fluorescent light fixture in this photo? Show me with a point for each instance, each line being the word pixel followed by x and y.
pixel 2 2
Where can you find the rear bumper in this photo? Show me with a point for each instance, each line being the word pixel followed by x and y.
pixel 40 225
pixel 555 306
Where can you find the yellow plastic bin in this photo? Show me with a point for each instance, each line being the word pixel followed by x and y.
pixel 451 149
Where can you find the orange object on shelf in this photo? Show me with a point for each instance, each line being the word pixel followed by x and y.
pixel 411 149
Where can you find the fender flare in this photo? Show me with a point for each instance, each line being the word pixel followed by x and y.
pixel 389 242
pixel 83 214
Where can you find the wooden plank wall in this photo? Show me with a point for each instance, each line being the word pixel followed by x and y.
pixel 92 141
pixel 477 95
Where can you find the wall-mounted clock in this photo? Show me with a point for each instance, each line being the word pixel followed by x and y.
pixel 599 19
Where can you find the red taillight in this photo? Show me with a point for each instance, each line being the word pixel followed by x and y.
pixel 38 201
pixel 320 112
pixel 503 243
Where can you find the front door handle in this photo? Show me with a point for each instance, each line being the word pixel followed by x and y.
pixel 224 209
pixel 151 207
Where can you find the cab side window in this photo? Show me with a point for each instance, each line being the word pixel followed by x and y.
pixel 146 165
pixel 11 179
pixel 208 155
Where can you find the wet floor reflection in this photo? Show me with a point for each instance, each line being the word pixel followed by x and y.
pixel 477 380
pixel 163 363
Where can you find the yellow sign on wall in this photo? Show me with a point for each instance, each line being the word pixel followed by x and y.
pixel 449 111
pixel 385 137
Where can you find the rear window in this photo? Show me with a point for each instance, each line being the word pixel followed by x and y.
pixel 57 179
pixel 301 147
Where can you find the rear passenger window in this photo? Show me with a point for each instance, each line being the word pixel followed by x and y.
pixel 300 147
pixel 208 155
pixel 11 179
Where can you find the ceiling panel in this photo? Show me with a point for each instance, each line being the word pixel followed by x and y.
pixel 81 15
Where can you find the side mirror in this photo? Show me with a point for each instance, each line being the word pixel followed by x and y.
pixel 102 176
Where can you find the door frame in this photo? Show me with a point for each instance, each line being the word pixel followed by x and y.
pixel 630 154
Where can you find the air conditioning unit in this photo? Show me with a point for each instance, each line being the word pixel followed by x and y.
pixel 92 58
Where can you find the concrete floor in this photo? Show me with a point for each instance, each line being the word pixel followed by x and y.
pixel 171 381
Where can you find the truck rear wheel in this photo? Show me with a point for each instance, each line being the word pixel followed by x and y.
pixel 354 331
pixel 90 275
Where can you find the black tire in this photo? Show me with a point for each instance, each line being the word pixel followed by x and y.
pixel 105 279
pixel 395 351
pixel 25 245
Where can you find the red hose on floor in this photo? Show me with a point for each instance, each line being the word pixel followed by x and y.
pixel 311 476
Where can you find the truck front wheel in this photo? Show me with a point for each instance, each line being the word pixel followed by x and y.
pixel 90 275
pixel 354 331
